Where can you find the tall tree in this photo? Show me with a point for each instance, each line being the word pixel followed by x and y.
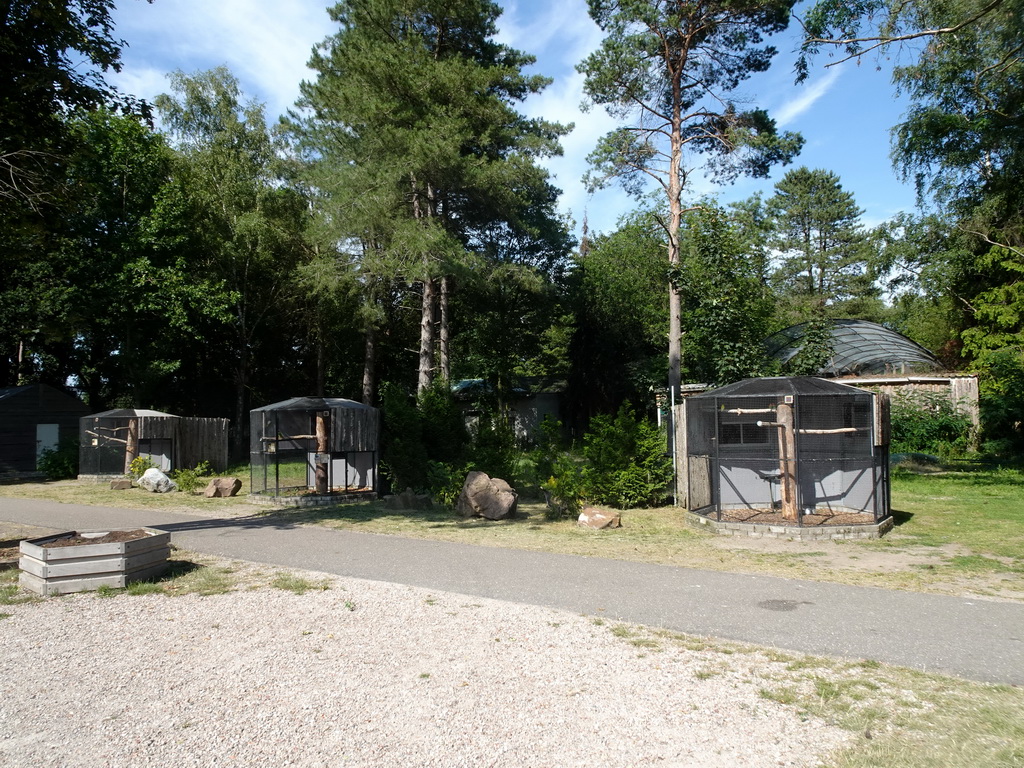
pixel 670 70
pixel 824 250
pixel 962 140
pixel 53 57
pixel 417 145
pixel 727 309
pixel 618 298
pixel 248 227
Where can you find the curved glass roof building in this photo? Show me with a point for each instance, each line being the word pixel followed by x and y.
pixel 858 347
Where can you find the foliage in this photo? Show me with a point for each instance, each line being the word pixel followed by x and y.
pixel 565 487
pixel 445 481
pixel 726 308
pixel 418 153
pixel 243 228
pixel 403 454
pixel 817 231
pixel 961 140
pixel 60 463
pixel 494 448
pixel 815 350
pixel 52 63
pixel 443 424
pixel 928 423
pixel 618 296
pixel 139 466
pixel 1002 401
pixel 189 480
pixel 626 463
pixel 669 70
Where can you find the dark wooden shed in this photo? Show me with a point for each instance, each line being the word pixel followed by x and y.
pixel 35 417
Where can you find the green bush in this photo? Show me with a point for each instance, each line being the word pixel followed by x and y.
pixel 445 481
pixel 404 456
pixel 493 448
pixel 1002 402
pixel 623 465
pixel 139 466
pixel 60 463
pixel 189 480
pixel 928 423
pixel 626 462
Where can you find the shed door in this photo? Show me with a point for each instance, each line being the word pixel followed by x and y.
pixel 47 437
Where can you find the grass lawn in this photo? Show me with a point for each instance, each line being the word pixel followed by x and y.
pixel 958 532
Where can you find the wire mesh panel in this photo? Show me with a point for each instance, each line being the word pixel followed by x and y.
pixel 799 450
pixel 310 443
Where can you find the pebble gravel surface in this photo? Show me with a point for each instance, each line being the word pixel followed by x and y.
pixel 375 674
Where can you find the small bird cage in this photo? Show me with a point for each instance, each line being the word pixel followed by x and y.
pixel 319 445
pixel 796 451
pixel 109 441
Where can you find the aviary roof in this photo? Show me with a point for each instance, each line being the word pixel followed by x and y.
pixel 773 386
pixel 858 347
pixel 315 404
pixel 131 413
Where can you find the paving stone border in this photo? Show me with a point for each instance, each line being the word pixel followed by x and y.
pixel 312 500
pixel 793 532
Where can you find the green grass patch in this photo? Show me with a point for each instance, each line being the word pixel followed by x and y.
pixel 297 584
pixel 900 717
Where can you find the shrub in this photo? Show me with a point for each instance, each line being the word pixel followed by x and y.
pixel 189 480
pixel 139 466
pixel 928 423
pixel 493 449
pixel 404 457
pixel 626 462
pixel 60 463
pixel 445 481
pixel 623 465
pixel 565 487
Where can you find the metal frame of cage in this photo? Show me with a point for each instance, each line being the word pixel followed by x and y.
pixel 291 442
pixel 799 446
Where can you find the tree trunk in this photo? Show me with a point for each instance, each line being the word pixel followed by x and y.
pixel 321 454
pixel 787 462
pixel 370 365
pixel 445 364
pixel 131 447
pixel 321 366
pixel 426 375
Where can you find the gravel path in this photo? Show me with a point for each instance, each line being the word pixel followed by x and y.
pixel 373 674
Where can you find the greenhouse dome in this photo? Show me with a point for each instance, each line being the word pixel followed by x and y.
pixel 858 347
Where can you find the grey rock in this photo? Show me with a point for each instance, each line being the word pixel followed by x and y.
pixel 483 496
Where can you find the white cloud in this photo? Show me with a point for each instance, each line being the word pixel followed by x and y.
pixel 807 98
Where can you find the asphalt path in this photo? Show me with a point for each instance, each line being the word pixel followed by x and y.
pixel 967 637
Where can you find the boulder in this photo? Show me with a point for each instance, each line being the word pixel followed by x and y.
pixel 483 496
pixel 407 500
pixel 222 488
pixel 122 484
pixel 155 481
pixel 592 517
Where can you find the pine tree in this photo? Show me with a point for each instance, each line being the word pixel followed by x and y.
pixel 416 149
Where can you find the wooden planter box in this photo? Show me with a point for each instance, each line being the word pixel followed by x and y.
pixel 83 567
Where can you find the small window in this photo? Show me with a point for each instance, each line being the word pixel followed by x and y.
pixel 743 434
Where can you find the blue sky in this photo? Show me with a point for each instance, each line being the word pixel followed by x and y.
pixel 844 112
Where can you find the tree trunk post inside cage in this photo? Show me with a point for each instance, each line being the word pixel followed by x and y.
pixel 131 447
pixel 787 461
pixel 321 453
